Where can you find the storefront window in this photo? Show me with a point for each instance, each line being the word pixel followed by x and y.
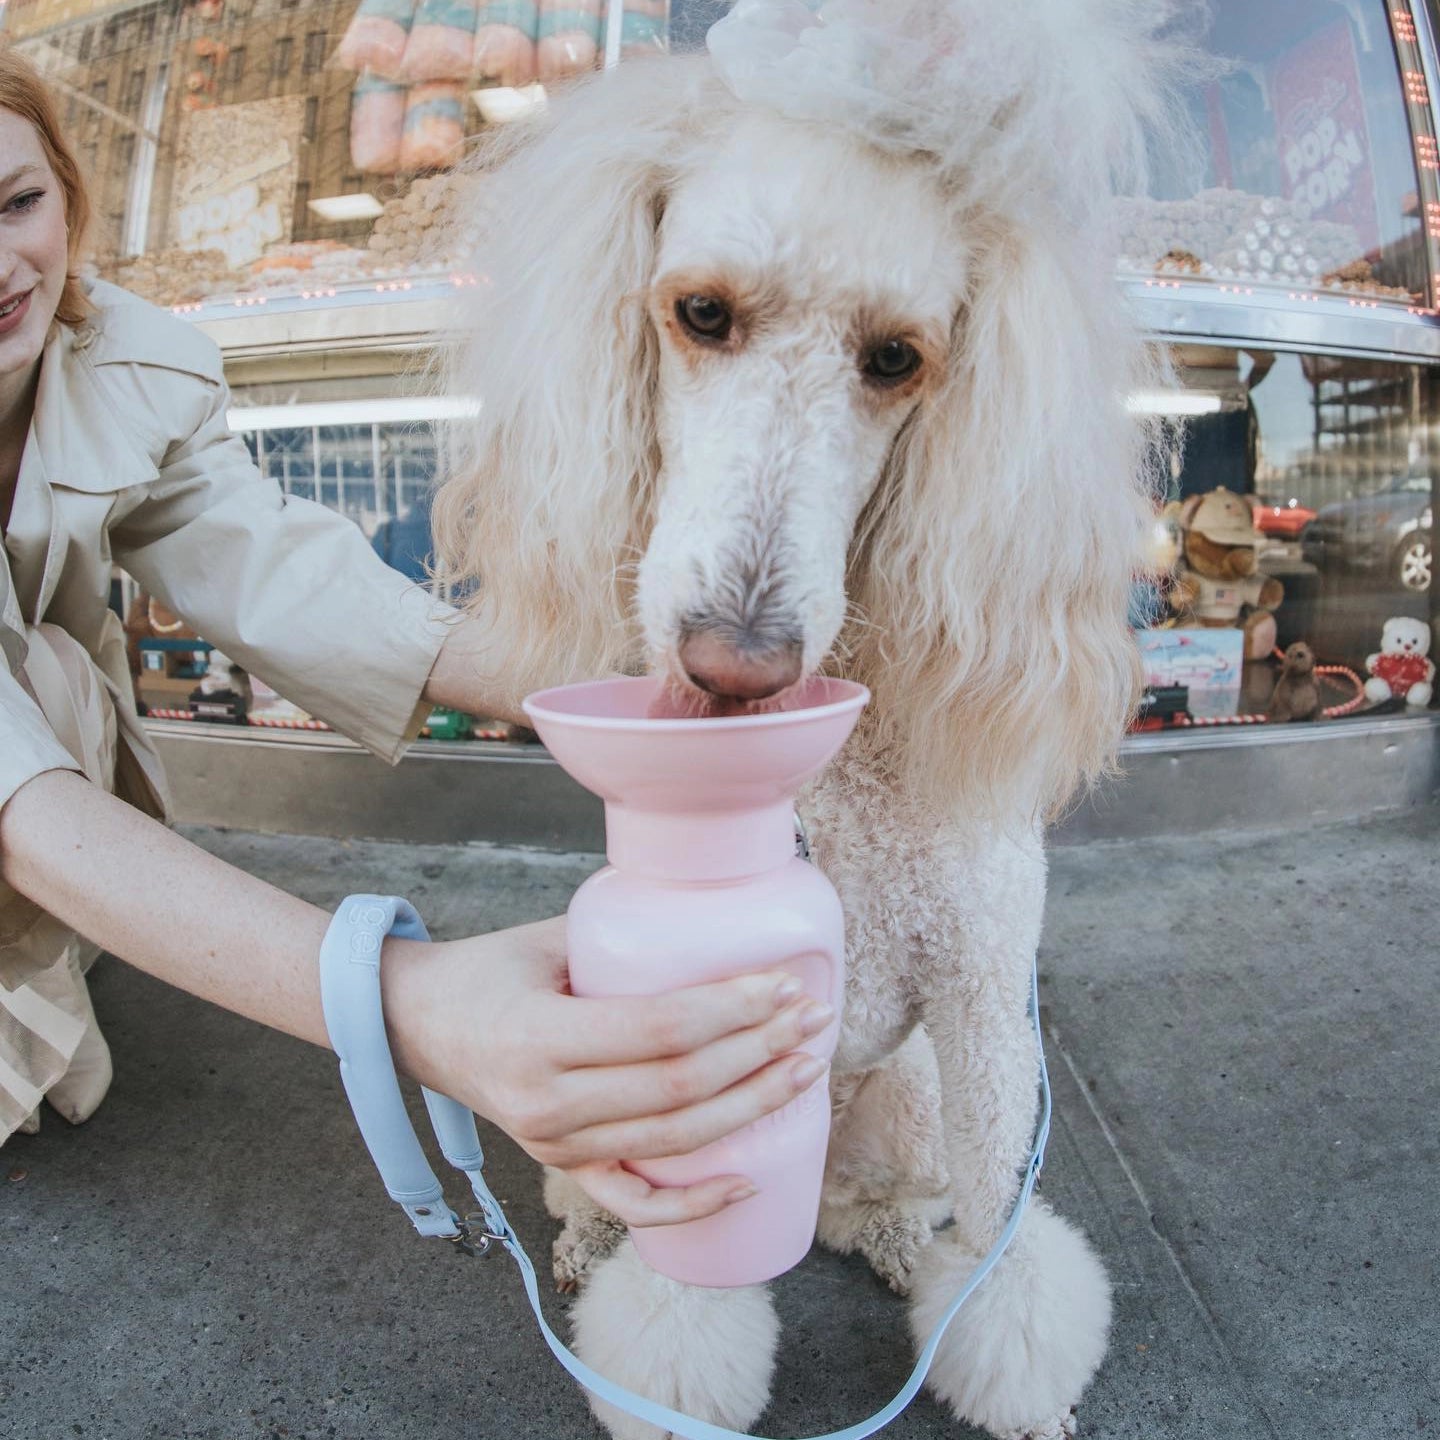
pixel 378 472
pixel 263 149
pixel 245 153
pixel 1308 182
pixel 1301 509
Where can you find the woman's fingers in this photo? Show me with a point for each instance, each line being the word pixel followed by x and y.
pixel 623 1030
pixel 600 1094
pixel 678 1132
pixel 636 1202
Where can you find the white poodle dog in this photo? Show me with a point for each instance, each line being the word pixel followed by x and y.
pixel 807 355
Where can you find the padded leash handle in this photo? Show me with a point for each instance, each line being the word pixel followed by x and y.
pixel 350 991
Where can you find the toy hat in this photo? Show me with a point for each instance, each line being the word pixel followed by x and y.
pixel 1225 518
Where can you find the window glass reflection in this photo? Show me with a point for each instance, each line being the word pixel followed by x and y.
pixel 1300 509
pixel 378 475
pixel 1307 178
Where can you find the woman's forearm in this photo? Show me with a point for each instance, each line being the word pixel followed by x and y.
pixel 579 1083
pixel 151 897
pixel 463 674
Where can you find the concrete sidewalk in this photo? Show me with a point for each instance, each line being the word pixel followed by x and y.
pixel 1242 1043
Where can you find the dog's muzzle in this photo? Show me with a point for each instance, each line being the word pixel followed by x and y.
pixel 736 665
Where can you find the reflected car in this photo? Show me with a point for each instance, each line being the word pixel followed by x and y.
pixel 1280 519
pixel 1388 533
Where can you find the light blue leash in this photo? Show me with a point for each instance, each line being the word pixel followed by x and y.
pixel 350 991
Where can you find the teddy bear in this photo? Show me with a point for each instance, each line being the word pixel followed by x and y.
pixel 1401 668
pixel 1216 583
pixel 1297 694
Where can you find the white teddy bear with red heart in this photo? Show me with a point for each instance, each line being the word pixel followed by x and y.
pixel 1401 668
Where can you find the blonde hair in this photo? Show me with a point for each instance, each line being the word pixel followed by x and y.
pixel 24 93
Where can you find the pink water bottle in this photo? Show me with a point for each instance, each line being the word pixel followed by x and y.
pixel 703 883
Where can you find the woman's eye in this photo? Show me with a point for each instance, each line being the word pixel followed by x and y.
pixel 893 362
pixel 28 200
pixel 704 316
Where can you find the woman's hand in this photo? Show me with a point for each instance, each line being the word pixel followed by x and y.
pixel 582 1084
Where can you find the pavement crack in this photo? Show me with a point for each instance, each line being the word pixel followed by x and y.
pixel 1056 1046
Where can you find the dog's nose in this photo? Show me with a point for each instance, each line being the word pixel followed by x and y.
pixel 736 673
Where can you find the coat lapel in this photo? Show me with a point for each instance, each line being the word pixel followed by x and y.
pixel 77 443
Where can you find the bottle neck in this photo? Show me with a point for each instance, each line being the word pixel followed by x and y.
pixel 699 846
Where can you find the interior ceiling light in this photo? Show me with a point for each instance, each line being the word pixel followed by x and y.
pixel 362 206
pixel 389 410
pixel 499 103
pixel 1174 402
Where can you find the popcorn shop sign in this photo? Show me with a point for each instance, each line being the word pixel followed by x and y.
pixel 236 222
pixel 1321 136
pixel 235 173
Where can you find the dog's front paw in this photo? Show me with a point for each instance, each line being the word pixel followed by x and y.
pixel 707 1352
pixel 1062 1427
pixel 587 1239
pixel 1018 1356
pixel 890 1236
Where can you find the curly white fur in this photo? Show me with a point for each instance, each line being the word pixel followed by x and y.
pixel 702 1352
pixel 1015 1350
pixel 961 542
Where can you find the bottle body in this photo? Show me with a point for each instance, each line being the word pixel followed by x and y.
pixel 634 935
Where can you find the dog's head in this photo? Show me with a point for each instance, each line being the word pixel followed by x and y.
pixel 764 392
pixel 802 299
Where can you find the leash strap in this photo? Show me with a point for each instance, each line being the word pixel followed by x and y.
pixel 350 991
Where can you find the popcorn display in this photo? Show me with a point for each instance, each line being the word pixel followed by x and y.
pixel 1229 235
pixel 411 233
pixel 173 277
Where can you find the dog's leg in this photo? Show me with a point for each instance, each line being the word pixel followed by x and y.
pixel 588 1235
pixel 710 1353
pixel 885 1179
pixel 1020 1353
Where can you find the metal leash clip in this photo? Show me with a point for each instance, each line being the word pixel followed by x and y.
pixel 475 1238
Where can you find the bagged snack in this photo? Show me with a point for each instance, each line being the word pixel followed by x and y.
pixel 442 41
pixel 375 38
pixel 568 38
pixel 505 42
pixel 377 121
pixel 434 125
pixel 646 27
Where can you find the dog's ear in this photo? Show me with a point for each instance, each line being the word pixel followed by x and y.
pixel 546 491
pixel 992 576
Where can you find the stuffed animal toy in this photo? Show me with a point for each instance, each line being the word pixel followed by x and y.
pixel 1402 668
pixel 1216 583
pixel 1296 695
pixel 1152 590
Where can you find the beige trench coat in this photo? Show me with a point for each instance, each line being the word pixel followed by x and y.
pixel 130 461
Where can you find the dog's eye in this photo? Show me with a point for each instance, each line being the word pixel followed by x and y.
pixel 704 316
pixel 892 363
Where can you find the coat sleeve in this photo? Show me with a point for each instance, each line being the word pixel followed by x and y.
pixel 28 746
pixel 286 587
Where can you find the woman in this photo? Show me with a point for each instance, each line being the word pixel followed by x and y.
pixel 114 445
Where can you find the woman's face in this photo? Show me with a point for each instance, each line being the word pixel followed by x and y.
pixel 34 257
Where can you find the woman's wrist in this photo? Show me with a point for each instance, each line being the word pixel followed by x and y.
pixel 413 976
